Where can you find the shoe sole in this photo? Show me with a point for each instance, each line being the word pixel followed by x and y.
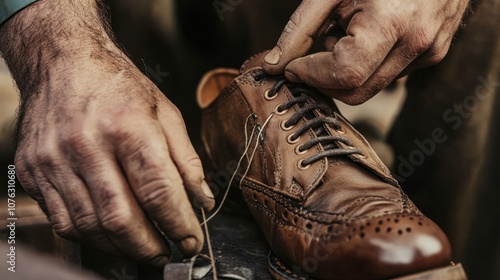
pixel 280 271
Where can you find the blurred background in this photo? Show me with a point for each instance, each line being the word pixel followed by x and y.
pixel 457 184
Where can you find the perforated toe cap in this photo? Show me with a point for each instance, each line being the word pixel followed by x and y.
pixel 391 246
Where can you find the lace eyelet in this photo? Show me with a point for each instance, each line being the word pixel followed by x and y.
pixel 258 78
pixel 268 97
pixel 278 112
pixel 298 151
pixel 284 127
pixel 291 141
pixel 301 166
pixel 362 156
pixel 340 130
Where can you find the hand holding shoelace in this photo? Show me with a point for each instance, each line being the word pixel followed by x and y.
pixel 368 43
pixel 102 150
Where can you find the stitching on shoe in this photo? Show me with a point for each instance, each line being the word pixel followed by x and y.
pixel 231 88
pixel 279 221
pixel 278 171
pixel 225 94
pixel 338 163
pixel 295 210
pixel 248 78
pixel 286 270
pixel 295 188
pixel 263 160
pixel 343 229
pixel 335 217
pixel 370 198
pixel 245 64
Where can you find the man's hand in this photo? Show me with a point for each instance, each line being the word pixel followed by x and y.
pixel 370 43
pixel 100 148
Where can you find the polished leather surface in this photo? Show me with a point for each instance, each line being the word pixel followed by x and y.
pixel 341 217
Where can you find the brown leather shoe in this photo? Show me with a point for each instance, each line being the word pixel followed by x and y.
pixel 326 204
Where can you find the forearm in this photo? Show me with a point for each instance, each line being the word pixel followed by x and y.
pixel 50 35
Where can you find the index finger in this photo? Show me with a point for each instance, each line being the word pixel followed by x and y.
pixel 299 33
pixel 159 188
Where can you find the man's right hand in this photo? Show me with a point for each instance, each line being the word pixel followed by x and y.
pixel 100 148
pixel 368 44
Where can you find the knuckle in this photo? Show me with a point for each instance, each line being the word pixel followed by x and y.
pixel 87 223
pixel 79 144
pixel 46 156
pixel 155 194
pixel 421 42
pixel 22 167
pixel 194 162
pixel 119 127
pixel 117 222
pixel 193 172
pixel 61 226
pixel 175 115
pixel 398 20
pixel 175 111
pixel 351 77
pixel 63 229
pixel 75 137
pixel 119 120
pixel 291 26
pixel 128 131
pixel 20 162
pixel 436 55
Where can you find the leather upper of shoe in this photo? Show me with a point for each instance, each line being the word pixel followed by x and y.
pixel 325 202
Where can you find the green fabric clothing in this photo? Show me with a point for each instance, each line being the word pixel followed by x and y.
pixel 9 8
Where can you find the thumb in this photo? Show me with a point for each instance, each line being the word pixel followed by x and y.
pixel 307 22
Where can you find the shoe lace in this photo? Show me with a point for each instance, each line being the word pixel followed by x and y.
pixel 302 96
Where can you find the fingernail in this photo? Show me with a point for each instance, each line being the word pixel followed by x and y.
pixel 189 245
pixel 209 202
pixel 206 190
pixel 273 57
pixel 204 200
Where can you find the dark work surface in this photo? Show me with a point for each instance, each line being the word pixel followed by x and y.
pixel 240 249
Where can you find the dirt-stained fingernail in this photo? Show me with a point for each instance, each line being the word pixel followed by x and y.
pixel 206 190
pixel 273 57
pixel 209 201
pixel 205 199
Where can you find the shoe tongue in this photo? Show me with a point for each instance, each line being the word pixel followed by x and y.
pixel 253 62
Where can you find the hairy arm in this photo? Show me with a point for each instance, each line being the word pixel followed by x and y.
pixel 100 148
pixel 48 32
pixel 48 36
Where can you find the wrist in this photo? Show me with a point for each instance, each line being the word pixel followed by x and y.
pixel 51 35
